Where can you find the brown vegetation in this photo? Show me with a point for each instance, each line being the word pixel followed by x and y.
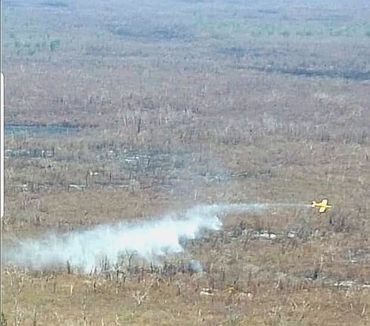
pixel 118 110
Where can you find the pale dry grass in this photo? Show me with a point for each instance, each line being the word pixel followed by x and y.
pixel 205 123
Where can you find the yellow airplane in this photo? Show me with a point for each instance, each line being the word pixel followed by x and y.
pixel 323 206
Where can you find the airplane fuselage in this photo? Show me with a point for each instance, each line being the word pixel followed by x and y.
pixel 323 206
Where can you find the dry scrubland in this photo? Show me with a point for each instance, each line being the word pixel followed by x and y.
pixel 150 108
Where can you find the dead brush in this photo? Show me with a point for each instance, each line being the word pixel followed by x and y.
pixel 3 320
pixel 140 296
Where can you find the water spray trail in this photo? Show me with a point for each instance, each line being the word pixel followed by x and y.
pixel 149 239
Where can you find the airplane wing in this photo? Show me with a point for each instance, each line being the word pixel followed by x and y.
pixel 324 202
pixel 322 209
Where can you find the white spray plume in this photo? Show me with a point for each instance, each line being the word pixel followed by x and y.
pixel 149 239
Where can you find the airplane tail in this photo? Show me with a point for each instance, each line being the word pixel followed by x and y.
pixel 313 204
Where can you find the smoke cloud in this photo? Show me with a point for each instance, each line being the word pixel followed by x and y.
pixel 149 240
